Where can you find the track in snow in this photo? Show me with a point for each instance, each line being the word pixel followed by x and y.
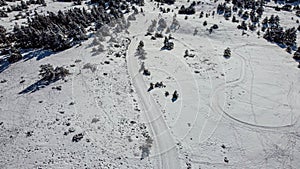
pixel 166 148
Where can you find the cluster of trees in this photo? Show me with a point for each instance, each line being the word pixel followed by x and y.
pixel 227 11
pixel 245 9
pixel 273 22
pixel 64 29
pixel 279 35
pixel 224 9
pixel 247 4
pixel 189 10
pixel 253 10
pixel 2 3
pixel 275 33
pixel 18 7
pixel 156 85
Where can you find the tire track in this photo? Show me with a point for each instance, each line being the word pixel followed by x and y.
pixel 167 153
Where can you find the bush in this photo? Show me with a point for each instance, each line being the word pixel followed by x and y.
pixel 48 73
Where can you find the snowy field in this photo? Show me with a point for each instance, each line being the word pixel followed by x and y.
pixel 237 112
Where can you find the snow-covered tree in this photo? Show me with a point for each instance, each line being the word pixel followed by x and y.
pixel 175 25
pixel 95 42
pixel 48 73
pixel 132 17
pixel 105 30
pixel 118 29
pixel 152 27
pixel 140 52
pixel 168 30
pixel 162 24
pixel 100 36
pixel 113 39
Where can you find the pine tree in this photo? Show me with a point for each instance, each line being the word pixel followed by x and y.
pixel 297 54
pixel 140 52
pixel 47 72
pixel 290 36
pixel 151 28
pixel 227 53
pixel 162 24
pixel 175 25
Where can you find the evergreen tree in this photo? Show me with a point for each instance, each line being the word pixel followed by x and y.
pixel 227 53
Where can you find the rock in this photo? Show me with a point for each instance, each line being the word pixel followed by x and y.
pixel 3 81
pixel 215 26
pixel 77 137
pixel 226 160
pixel 71 130
pixel 146 72
pixel 95 120
pixel 29 133
pixel 58 88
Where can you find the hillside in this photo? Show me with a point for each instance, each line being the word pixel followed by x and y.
pixel 147 84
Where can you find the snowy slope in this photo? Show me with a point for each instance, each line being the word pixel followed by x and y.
pixel 241 112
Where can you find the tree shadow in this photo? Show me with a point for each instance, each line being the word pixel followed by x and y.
pixel 4 64
pixel 289 2
pixel 37 86
pixel 283 46
pixel 38 54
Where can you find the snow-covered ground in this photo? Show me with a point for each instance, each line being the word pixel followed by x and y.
pixel 241 112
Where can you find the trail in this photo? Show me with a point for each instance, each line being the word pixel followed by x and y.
pixel 166 149
pixel 218 108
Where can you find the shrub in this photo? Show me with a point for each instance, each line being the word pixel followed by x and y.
pixel 48 73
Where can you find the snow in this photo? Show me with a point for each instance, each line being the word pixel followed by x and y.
pixel 244 109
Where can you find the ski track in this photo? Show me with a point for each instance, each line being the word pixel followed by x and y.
pixel 210 79
pixel 218 108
